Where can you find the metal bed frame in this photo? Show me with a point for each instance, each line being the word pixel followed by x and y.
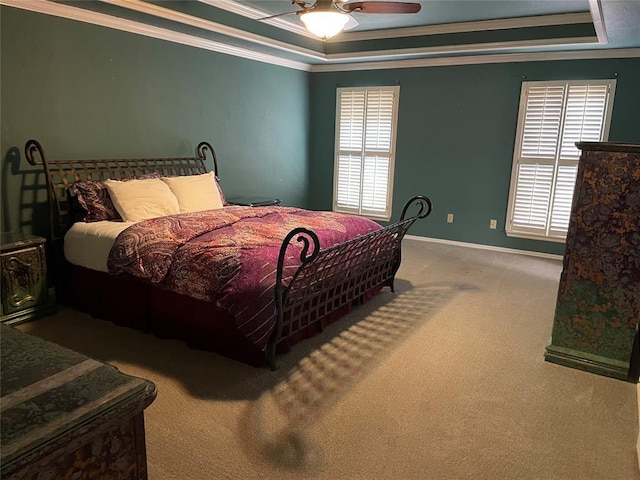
pixel 61 174
pixel 326 280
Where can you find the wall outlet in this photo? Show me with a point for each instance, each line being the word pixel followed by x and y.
pixel 449 217
pixel 493 224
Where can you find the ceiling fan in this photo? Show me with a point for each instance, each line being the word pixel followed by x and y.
pixel 326 18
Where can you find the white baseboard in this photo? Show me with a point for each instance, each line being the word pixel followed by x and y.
pixel 552 256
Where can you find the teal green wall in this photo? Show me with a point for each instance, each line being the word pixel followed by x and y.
pixel 456 133
pixel 84 90
pixel 88 91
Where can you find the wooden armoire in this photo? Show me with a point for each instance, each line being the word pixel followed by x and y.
pixel 598 305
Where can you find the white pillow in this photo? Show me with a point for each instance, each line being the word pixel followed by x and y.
pixel 195 192
pixel 138 200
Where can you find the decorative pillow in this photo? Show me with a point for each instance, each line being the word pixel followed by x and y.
pixel 94 198
pixel 195 193
pixel 137 200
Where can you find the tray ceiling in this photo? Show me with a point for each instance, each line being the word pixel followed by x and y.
pixel 444 32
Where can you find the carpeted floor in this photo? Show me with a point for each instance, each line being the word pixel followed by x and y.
pixel 444 379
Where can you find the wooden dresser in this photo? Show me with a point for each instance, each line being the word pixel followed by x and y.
pixel 598 306
pixel 66 416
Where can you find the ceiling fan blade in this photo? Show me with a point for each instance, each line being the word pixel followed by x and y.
pixel 381 7
pixel 278 15
pixel 351 23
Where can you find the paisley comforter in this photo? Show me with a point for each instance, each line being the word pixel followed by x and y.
pixel 227 256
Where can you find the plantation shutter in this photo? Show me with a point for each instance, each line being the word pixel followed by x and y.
pixel 365 148
pixel 553 117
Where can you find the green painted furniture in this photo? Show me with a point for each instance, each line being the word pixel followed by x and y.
pixel 23 278
pixel 598 305
pixel 67 416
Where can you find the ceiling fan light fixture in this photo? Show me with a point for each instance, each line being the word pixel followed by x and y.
pixel 324 24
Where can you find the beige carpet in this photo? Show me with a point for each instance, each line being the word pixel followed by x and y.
pixel 444 379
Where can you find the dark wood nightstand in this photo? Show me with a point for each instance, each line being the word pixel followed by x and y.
pixel 254 201
pixel 23 278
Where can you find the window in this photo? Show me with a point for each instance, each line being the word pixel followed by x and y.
pixel 366 120
pixel 553 116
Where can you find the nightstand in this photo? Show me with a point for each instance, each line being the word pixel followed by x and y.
pixel 254 201
pixel 23 278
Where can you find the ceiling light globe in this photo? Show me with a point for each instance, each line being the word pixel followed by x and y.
pixel 324 24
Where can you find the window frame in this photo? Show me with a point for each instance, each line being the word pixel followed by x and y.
pixel 391 154
pixel 549 234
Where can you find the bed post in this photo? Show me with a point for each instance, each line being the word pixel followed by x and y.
pixel 425 207
pixel 32 149
pixel 34 153
pixel 201 151
pixel 281 291
pixel 422 202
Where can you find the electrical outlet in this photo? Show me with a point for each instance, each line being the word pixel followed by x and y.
pixel 493 224
pixel 449 217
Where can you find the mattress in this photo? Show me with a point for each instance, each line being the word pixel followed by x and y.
pixel 88 244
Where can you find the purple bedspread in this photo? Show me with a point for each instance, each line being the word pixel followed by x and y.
pixel 227 256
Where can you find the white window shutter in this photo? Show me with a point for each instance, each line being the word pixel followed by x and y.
pixel 365 148
pixel 543 116
pixel 349 168
pixel 553 117
pixel 562 198
pixel 375 183
pixel 351 120
pixel 584 117
pixel 532 195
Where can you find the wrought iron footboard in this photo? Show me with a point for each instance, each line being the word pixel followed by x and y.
pixel 329 279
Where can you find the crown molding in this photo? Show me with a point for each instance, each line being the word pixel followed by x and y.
pixel 469 48
pixel 190 20
pixel 464 27
pixel 598 21
pixel 481 59
pixel 95 18
pixel 254 14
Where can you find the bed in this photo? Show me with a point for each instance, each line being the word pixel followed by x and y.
pixel 245 282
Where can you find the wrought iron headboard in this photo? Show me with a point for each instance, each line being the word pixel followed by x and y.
pixel 61 174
